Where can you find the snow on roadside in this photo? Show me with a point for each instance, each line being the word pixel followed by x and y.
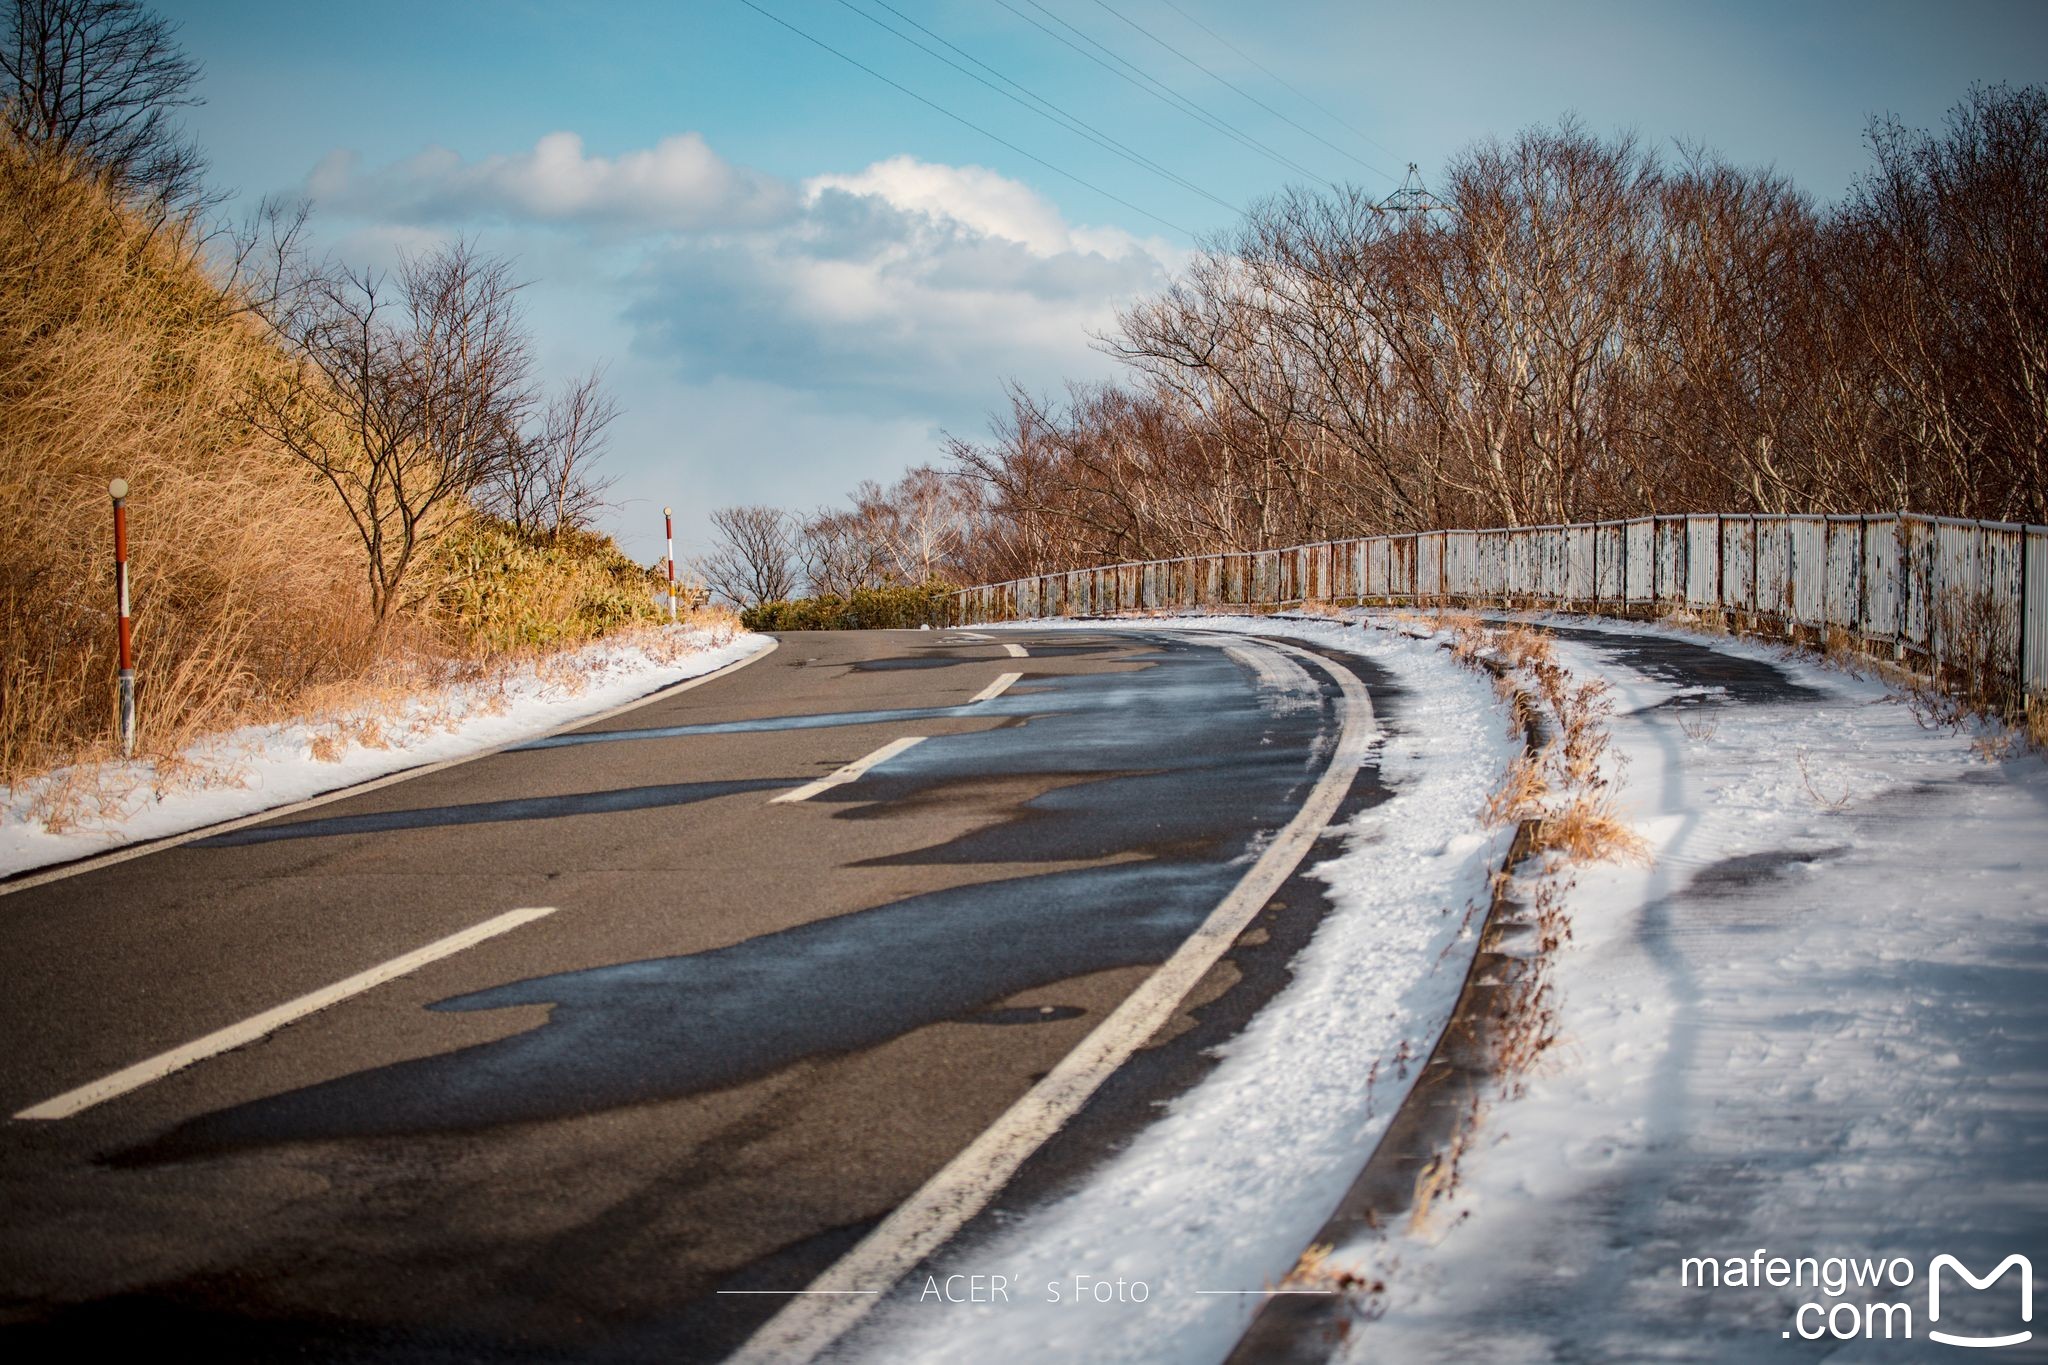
pixel 262 767
pixel 1225 1189
pixel 1816 1024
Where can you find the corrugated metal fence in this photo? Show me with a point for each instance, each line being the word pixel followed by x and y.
pixel 1968 595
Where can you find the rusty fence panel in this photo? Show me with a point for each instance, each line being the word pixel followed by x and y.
pixel 1639 560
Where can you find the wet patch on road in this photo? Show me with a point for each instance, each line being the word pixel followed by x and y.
pixel 1039 651
pixel 921 661
pixel 1256 969
pixel 494 812
pixel 663 1028
pixel 1025 699
pixel 1023 1014
pixel 1748 871
pixel 1152 763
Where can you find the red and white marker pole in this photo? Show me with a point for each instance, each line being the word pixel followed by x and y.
pixel 668 528
pixel 119 488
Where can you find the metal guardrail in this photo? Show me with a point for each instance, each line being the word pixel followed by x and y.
pixel 1967 595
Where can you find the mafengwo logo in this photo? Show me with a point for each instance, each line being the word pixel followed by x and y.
pixel 1945 1261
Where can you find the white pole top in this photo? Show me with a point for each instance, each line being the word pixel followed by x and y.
pixel 118 487
pixel 665 512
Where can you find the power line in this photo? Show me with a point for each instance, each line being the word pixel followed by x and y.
pixel 1052 112
pixel 1305 98
pixel 1232 85
pixel 1160 90
pixel 1156 89
pixel 1078 123
pixel 965 123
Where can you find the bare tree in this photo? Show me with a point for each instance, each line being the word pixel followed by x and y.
pixel 573 434
pixel 1948 241
pixel 839 553
pixel 408 398
pixel 97 81
pixel 547 485
pixel 750 562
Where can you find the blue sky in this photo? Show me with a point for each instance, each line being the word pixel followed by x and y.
pixel 798 277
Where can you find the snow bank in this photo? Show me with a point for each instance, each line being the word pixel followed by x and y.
pixel 1815 1025
pixel 1224 1190
pixel 266 766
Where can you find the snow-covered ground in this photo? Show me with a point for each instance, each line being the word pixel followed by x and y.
pixel 1816 1025
pixel 267 766
pixel 1221 1194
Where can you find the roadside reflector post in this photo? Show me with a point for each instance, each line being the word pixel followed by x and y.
pixel 119 488
pixel 668 529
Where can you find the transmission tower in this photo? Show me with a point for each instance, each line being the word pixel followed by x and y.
pixel 1413 197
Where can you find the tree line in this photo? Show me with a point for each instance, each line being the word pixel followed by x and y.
pixel 1572 327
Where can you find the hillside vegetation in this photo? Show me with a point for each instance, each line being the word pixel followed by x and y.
pixel 122 354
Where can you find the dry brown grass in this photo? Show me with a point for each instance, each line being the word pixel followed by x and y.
pixel 1439 1177
pixel 1561 785
pixel 119 357
pixel 1827 800
pixel 1520 794
pixel 1364 1294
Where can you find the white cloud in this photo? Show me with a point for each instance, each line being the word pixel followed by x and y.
pixel 971 196
pixel 907 286
pixel 895 299
pixel 679 183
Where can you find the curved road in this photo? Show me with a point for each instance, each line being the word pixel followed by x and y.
pixel 775 993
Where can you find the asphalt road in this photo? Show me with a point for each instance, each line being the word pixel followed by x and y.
pixel 747 1031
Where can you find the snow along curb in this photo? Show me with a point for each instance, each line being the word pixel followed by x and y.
pixel 28 877
pixel 1298 1329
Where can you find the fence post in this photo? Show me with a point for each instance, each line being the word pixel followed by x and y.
pixel 668 530
pixel 2027 588
pixel 1756 557
pixel 1596 564
pixel 1656 558
pixel 124 637
pixel 1900 544
pixel 1624 567
pixel 1862 579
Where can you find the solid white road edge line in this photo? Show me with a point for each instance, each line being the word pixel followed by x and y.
pixel 1016 651
pixel 149 846
pixel 995 689
pixel 1276 672
pixel 925 1221
pixel 249 1030
pixel 848 773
